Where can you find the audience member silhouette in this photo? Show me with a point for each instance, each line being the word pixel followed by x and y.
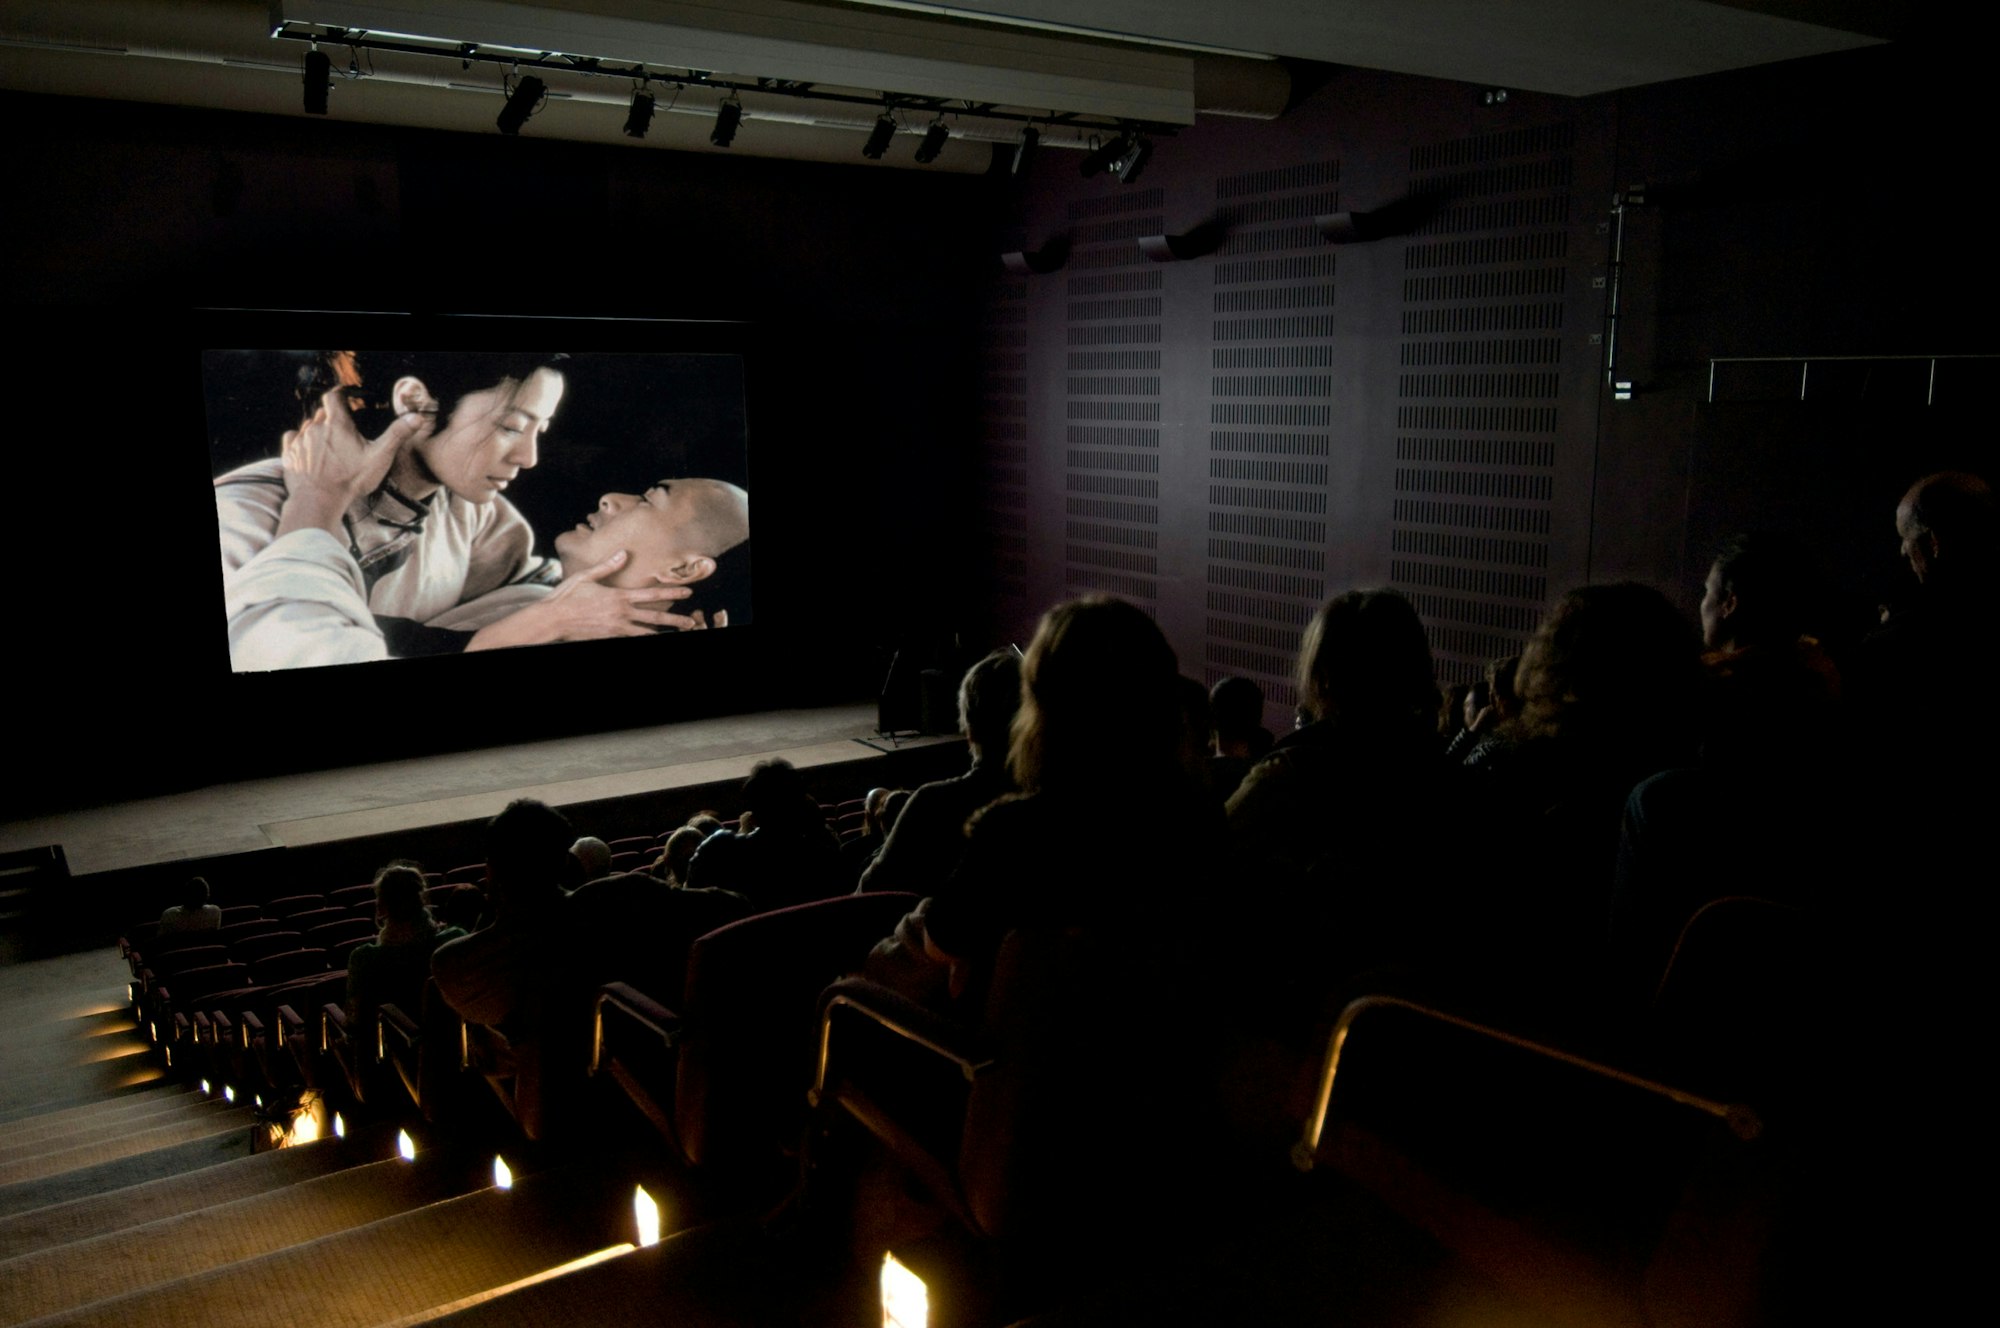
pixel 1369 750
pixel 194 912
pixel 493 977
pixel 929 837
pixel 391 969
pixel 1113 829
pixel 1236 709
pixel 785 855
pixel 1610 688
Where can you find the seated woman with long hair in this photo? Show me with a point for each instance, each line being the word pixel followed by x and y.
pixel 1112 827
pixel 1326 830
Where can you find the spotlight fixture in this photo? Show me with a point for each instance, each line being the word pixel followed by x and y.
pixel 934 140
pixel 1134 160
pixel 521 104
pixel 879 138
pixel 640 118
pixel 1105 156
pixel 1024 154
pixel 319 78
pixel 726 121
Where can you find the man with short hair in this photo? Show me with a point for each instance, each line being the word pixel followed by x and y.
pixel 929 836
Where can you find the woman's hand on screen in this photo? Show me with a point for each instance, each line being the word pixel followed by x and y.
pixel 329 464
pixel 582 609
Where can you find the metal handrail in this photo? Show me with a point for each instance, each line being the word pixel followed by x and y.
pixel 1741 1120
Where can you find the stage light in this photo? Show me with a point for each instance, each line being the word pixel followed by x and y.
pixel 1135 160
pixel 319 78
pixel 1024 155
pixel 521 104
pixel 878 139
pixel 934 140
pixel 1104 156
pixel 726 121
pixel 640 117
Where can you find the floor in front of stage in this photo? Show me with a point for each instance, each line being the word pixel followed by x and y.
pixel 361 801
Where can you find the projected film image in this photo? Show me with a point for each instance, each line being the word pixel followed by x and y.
pixel 382 504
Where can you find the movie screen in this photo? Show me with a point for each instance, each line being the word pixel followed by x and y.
pixel 385 504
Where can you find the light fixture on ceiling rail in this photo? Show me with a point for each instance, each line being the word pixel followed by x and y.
pixel 640 117
pixel 1024 151
pixel 934 140
pixel 521 103
pixel 727 120
pixel 319 80
pixel 465 54
pixel 1136 156
pixel 879 138
pixel 1103 156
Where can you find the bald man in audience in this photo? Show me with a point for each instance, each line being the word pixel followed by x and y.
pixel 645 549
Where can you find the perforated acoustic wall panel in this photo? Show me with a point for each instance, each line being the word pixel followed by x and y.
pixel 1269 422
pixel 1111 399
pixel 1486 288
pixel 1003 471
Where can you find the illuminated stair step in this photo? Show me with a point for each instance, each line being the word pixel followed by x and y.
pixel 35 1122
pixel 219 1180
pixel 131 1260
pixel 387 1271
pixel 84 1135
pixel 722 1273
pixel 118 1173
pixel 67 1159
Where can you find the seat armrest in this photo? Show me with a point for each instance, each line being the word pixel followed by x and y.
pixel 252 1026
pixel 941 1036
pixel 291 1026
pixel 640 1008
pixel 332 1024
pixel 397 1028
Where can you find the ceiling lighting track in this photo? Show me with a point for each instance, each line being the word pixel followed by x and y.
pixel 467 54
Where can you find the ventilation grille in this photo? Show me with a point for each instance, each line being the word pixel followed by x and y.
pixel 1476 411
pixel 1111 398
pixel 1269 439
pixel 1002 461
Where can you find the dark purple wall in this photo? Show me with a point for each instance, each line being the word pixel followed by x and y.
pixel 1231 439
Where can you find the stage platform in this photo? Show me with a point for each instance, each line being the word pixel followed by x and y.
pixel 611 784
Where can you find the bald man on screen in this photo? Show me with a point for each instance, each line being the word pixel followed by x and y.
pixel 301 600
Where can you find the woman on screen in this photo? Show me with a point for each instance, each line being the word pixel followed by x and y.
pixel 420 508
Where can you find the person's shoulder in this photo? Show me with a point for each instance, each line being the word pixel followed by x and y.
pixel 256 477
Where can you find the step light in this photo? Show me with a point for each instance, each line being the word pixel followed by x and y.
pixel 206 1091
pixel 406 1147
pixel 228 1093
pixel 339 1126
pixel 503 1176
pixel 905 1299
pixel 648 1214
